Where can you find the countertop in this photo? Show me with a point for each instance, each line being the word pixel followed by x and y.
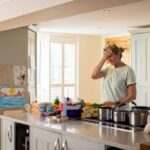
pixel 90 131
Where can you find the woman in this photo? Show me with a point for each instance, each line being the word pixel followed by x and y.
pixel 119 85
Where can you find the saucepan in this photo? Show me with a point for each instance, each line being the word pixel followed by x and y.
pixel 105 113
pixel 121 116
pixel 138 115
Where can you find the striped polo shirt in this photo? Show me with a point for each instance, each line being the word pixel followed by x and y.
pixel 116 81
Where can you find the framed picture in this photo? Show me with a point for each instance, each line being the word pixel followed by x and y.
pixel 19 75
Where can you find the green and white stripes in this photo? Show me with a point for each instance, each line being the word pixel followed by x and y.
pixel 116 81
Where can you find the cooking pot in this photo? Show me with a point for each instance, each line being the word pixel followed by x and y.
pixel 138 117
pixel 121 116
pixel 105 113
pixel 135 107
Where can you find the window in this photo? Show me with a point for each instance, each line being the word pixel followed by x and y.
pixel 56 67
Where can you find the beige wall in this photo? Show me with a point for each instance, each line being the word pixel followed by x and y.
pixel 14 49
pixel 89 54
pixel 13 46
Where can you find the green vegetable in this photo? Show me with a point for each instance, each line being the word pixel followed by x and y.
pixel 56 101
pixel 82 102
pixel 95 105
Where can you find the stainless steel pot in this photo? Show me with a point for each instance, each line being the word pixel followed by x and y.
pixel 138 117
pixel 135 107
pixel 105 114
pixel 121 116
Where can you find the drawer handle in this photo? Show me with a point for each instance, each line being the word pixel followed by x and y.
pixel 57 144
pixel 26 143
pixel 10 133
pixel 65 145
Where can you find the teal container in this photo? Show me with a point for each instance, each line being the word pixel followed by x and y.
pixel 49 109
pixel 42 108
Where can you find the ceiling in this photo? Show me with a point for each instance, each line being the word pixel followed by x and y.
pixel 13 8
pixel 76 16
pixel 119 20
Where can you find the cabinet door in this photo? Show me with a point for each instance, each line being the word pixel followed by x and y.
pixel 44 140
pixel 7 135
pixel 140 62
pixel 74 143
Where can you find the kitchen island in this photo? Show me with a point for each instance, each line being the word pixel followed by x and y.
pixel 90 135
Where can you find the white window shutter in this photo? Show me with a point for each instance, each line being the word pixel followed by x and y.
pixel 61 70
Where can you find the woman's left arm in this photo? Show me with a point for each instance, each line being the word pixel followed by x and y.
pixel 130 97
pixel 131 94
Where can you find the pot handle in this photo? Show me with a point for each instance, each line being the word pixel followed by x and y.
pixel 134 103
pixel 117 107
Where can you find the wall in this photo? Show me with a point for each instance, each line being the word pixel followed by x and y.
pixel 89 54
pixel 13 47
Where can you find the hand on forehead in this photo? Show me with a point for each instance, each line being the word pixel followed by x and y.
pixel 108 52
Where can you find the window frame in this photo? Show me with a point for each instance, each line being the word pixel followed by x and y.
pixel 62 39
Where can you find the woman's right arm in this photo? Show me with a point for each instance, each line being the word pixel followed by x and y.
pixel 97 72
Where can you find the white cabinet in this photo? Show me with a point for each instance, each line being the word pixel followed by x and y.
pixel 74 143
pixel 44 140
pixel 140 62
pixel 7 135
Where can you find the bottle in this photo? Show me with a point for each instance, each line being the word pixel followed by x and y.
pixel 64 111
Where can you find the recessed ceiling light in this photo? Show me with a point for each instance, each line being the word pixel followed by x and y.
pixel 106 11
